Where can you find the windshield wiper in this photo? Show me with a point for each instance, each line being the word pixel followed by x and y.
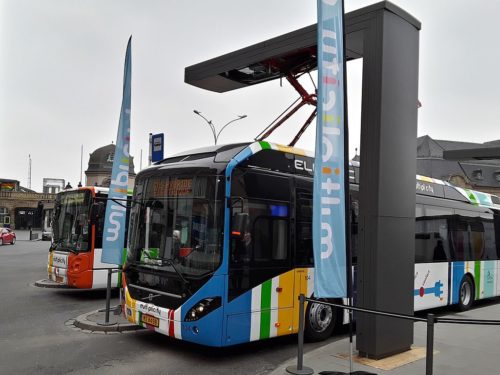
pixel 59 242
pixel 55 244
pixel 170 262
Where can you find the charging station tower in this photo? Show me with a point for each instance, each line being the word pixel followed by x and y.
pixel 387 39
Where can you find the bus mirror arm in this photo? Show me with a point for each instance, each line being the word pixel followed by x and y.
pixel 239 223
pixel 233 201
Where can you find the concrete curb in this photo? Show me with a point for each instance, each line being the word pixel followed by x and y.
pixel 45 283
pixel 83 322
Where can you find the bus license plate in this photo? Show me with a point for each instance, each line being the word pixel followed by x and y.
pixel 151 320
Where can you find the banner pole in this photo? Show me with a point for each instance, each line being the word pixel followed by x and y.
pixel 347 196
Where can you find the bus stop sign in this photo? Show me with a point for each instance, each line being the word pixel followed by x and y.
pixel 157 144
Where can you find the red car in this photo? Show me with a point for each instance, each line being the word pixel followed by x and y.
pixel 7 236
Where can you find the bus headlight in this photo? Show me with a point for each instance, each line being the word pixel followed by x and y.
pixel 202 308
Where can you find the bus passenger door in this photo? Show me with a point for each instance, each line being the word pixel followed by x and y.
pixel 303 257
pixel 260 280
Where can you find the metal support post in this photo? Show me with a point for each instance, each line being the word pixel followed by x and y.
pixel 300 369
pixel 108 300
pixel 108 297
pixel 430 344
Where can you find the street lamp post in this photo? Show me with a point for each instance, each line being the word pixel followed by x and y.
pixel 212 126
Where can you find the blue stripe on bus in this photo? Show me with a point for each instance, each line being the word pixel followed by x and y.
pixel 243 155
pixel 458 273
pixel 207 330
pixel 236 327
pixel 238 319
pixel 449 283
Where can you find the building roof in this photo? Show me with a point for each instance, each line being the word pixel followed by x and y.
pixel 433 148
pixel 481 173
pixel 101 160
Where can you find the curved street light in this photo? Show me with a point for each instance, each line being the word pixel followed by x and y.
pixel 212 126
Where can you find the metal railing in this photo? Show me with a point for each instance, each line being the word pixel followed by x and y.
pixel 431 320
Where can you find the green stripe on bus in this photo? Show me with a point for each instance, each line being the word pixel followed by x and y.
pixel 472 197
pixel 124 257
pixel 477 277
pixel 265 145
pixel 265 307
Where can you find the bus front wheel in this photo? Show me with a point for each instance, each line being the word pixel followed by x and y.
pixel 320 321
pixel 466 293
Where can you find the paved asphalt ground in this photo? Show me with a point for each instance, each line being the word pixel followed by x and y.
pixel 36 337
pixel 35 340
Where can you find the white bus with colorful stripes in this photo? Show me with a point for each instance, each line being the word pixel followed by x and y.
pixel 220 246
pixel 77 228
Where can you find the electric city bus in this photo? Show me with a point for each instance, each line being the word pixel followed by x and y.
pixel 77 226
pixel 220 245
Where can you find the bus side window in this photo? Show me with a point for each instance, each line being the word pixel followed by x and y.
pixel 496 224
pixel 271 239
pixel 432 239
pixel 99 228
pixel 477 240
pixel 259 250
pixel 459 236
pixel 489 241
pixel 304 247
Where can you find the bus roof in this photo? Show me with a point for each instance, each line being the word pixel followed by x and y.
pixel 477 198
pixel 94 189
pixel 425 185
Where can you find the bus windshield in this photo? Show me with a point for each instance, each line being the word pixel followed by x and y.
pixel 70 223
pixel 175 225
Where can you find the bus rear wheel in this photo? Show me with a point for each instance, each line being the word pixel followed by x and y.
pixel 466 293
pixel 320 321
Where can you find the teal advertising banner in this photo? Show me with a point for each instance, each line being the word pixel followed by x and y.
pixel 115 218
pixel 329 209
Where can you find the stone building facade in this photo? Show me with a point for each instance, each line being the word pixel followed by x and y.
pixel 100 166
pixel 21 210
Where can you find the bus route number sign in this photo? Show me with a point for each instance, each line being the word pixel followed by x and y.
pixel 150 320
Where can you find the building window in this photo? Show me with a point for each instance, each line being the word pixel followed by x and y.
pixel 4 216
pixel 111 157
pixel 496 176
pixel 477 174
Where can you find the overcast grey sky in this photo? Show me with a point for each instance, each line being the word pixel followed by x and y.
pixel 61 71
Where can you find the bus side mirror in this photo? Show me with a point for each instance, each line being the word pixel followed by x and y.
pixel 97 211
pixel 239 224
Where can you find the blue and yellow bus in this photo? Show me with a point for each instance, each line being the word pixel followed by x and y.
pixel 220 245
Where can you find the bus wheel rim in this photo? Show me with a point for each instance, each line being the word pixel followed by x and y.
pixel 465 293
pixel 320 317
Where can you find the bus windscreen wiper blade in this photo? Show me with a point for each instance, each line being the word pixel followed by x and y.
pixel 55 244
pixel 170 262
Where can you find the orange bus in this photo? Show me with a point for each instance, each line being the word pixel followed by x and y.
pixel 77 229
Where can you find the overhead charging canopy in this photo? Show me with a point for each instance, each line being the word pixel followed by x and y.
pixel 292 53
pixel 287 56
